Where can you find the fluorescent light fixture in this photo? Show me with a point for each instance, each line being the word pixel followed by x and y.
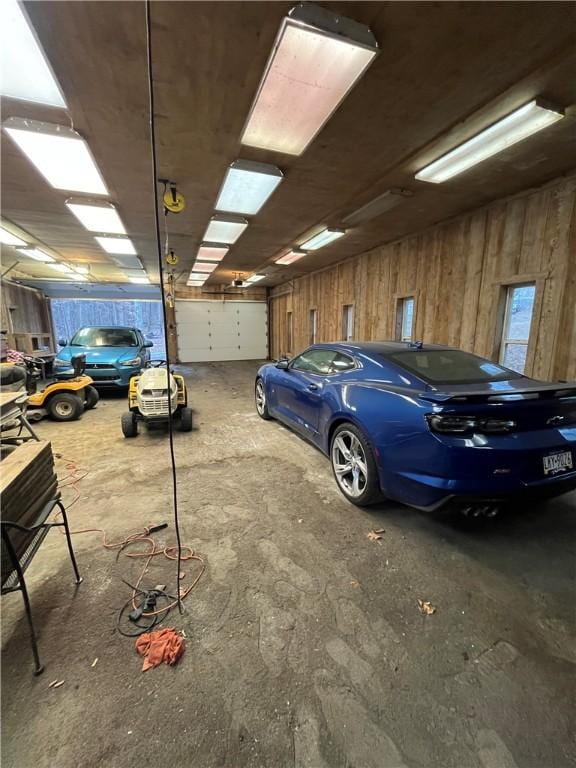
pixel 195 283
pixel 37 254
pixel 118 245
pixel 62 268
pixel 225 229
pixel 316 60
pixel 518 125
pixel 7 238
pixel 384 202
pixel 139 280
pixel 247 186
pixel 212 252
pixel 59 153
pixel 204 266
pixel 201 276
pixel 82 270
pixel 79 278
pixel 26 73
pixel 291 257
pixel 255 278
pixel 323 238
pixel 97 216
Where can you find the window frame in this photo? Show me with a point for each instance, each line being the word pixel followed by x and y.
pixel 507 290
pixel 347 319
pixel 399 315
pixel 313 324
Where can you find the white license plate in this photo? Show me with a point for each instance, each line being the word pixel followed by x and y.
pixel 558 462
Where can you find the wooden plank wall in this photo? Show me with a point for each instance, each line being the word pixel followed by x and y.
pixel 457 272
pixel 23 309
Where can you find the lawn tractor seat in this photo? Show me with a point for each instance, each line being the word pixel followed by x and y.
pixel 12 377
pixel 78 363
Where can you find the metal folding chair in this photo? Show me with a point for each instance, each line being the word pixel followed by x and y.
pixel 19 545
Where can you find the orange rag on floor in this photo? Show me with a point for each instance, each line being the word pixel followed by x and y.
pixel 161 645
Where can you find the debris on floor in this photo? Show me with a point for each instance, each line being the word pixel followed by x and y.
pixel 375 535
pixel 160 646
pixel 426 607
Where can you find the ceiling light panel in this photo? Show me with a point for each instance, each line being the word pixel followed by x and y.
pixel 291 257
pixel 212 252
pixel 316 60
pixel 225 229
pixel 204 266
pixel 139 280
pixel 26 73
pixel 255 278
pixel 381 204
pixel 97 216
pixel 7 238
pixel 59 153
pixel 200 276
pixel 82 270
pixel 117 245
pixel 518 125
pixel 247 186
pixel 129 262
pixel 323 238
pixel 195 283
pixel 61 268
pixel 36 254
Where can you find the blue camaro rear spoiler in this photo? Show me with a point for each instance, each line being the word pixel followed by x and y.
pixel 541 391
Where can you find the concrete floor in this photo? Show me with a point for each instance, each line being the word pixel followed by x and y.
pixel 305 643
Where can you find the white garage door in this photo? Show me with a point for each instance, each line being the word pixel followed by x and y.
pixel 213 330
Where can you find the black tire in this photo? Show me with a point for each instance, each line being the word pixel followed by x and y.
pixel 185 424
pixel 360 485
pixel 65 406
pixel 260 400
pixel 92 397
pixel 129 424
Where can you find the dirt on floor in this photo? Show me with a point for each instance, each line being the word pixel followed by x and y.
pixel 305 644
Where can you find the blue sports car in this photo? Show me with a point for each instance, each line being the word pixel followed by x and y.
pixel 426 424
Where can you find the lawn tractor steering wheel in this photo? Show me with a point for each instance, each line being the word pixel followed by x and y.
pixel 156 363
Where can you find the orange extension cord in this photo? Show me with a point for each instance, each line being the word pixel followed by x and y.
pixel 71 480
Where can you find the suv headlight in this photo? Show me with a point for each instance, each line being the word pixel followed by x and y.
pixel 59 361
pixel 132 363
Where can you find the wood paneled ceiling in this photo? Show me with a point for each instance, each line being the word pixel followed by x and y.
pixel 445 71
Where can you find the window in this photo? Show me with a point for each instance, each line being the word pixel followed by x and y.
pixel 323 362
pixel 405 319
pixel 450 366
pixel 105 337
pixel 289 331
pixel 313 326
pixel 314 360
pixel 517 322
pixel 347 322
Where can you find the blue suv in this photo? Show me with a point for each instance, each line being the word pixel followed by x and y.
pixel 113 354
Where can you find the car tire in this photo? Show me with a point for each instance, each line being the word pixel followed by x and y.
pixel 65 406
pixel 185 424
pixel 260 400
pixel 349 449
pixel 92 397
pixel 129 424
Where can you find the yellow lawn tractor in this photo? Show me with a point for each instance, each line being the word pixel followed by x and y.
pixel 149 395
pixel 63 398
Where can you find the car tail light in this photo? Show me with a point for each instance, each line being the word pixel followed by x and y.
pixel 460 425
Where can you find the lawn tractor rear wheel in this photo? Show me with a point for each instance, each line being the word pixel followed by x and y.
pixel 65 406
pixel 185 419
pixel 129 424
pixel 92 397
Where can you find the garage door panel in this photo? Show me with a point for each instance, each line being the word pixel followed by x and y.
pixel 211 331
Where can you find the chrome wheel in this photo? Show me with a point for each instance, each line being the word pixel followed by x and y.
pixel 349 463
pixel 260 398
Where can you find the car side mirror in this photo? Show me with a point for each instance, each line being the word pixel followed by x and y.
pixel 62 342
pixel 148 344
pixel 282 364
